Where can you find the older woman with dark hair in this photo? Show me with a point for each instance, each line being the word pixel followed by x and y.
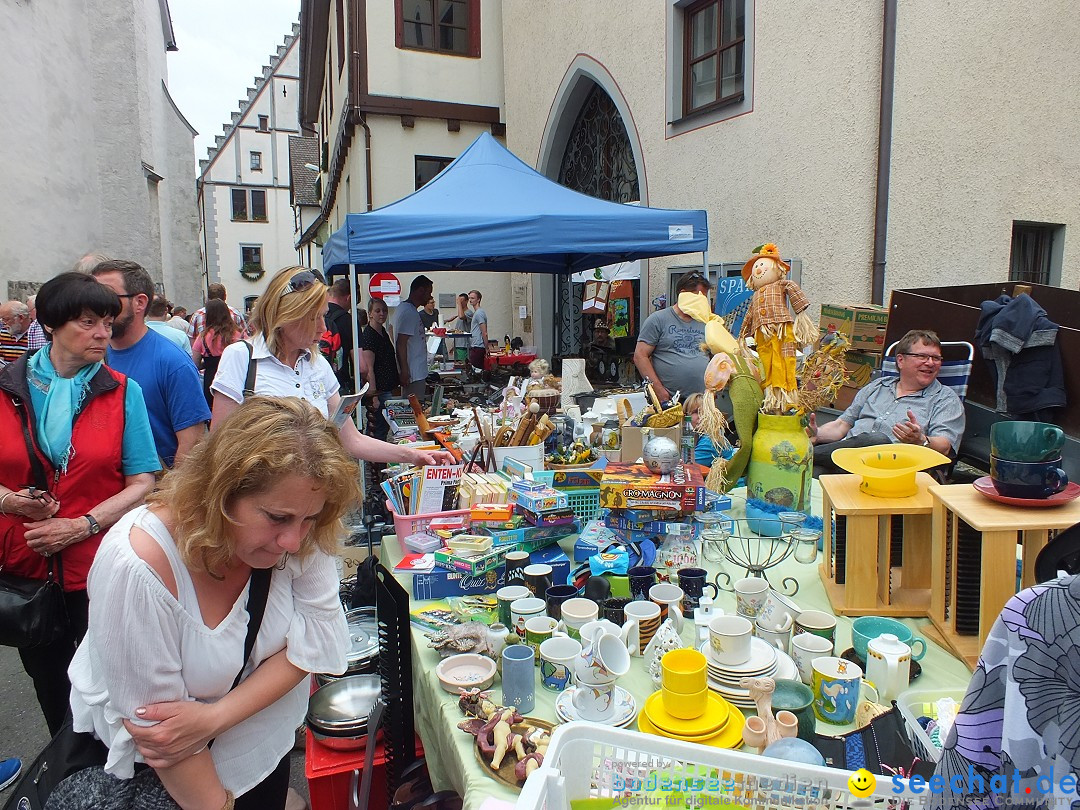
pixel 85 428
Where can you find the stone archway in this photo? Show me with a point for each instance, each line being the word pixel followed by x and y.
pixel 590 145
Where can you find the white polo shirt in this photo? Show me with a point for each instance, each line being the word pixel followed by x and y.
pixel 311 379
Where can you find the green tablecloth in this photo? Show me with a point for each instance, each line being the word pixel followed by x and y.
pixel 449 751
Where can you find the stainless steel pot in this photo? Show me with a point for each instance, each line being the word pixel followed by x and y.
pixel 363 652
pixel 338 711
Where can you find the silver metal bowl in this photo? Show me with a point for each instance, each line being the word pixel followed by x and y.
pixel 363 652
pixel 341 708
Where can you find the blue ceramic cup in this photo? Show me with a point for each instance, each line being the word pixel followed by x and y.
pixel 519 677
pixel 1028 479
pixel 866 628
pixel 641 578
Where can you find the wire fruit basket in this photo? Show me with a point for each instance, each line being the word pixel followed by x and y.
pixel 589 761
pixel 745 549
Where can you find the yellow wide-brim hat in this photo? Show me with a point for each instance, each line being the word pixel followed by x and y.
pixel 888 470
pixel 768 250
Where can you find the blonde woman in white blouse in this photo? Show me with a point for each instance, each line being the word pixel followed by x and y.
pixel 168 592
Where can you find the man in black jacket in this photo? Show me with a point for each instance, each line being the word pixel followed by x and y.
pixel 339 322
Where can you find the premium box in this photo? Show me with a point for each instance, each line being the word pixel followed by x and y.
pixel 594 538
pixel 864 326
pixel 633 486
pixel 441 583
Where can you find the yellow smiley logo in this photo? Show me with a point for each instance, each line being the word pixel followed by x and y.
pixel 862 783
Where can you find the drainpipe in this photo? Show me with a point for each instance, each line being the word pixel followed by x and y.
pixel 885 121
pixel 361 119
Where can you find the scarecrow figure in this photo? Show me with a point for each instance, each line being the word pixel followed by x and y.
pixel 776 333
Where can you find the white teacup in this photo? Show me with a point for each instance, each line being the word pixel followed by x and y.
pixel 668 597
pixel 805 647
pixel 729 639
pixel 603 660
pixel 779 638
pixel 557 657
pixel 750 596
pixel 576 613
pixel 521 610
pixel 776 611
pixel 594 701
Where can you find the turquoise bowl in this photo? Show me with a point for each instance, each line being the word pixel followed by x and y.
pixel 866 628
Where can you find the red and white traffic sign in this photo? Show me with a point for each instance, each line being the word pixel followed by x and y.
pixel 384 285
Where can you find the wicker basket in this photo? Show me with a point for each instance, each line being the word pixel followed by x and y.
pixel 665 419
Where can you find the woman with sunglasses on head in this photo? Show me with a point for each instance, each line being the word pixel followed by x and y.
pixel 76 454
pixel 209 607
pixel 288 320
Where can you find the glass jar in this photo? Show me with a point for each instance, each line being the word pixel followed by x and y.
pixel 806 545
pixel 678 551
pixel 714 533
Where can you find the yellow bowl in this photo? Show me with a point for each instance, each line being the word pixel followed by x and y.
pixel 682 705
pixel 684 671
pixel 888 470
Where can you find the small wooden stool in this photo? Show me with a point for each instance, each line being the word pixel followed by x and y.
pixel 857 568
pixel 970 529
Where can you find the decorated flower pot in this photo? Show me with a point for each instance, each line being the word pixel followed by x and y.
pixel 781 463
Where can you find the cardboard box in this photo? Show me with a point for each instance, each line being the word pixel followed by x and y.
pixel 440 583
pixel 635 438
pixel 861 366
pixel 633 486
pixel 474 563
pixel 531 534
pixel 577 479
pixel 864 326
pixel 844 397
pixel 593 538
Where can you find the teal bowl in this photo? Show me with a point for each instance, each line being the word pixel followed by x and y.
pixel 797 698
pixel 866 628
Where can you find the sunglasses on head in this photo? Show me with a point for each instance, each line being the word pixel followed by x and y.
pixel 301 281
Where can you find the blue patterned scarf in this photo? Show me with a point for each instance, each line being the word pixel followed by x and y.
pixel 63 399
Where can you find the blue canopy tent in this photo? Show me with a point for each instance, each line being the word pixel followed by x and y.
pixel 488 210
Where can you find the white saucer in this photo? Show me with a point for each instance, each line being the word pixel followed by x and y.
pixel 762 659
pixel 625 708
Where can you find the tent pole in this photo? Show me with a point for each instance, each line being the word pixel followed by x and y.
pixel 358 414
pixel 705 265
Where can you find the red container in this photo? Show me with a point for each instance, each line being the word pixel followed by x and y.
pixel 330 773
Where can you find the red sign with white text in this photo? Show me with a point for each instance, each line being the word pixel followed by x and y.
pixel 383 285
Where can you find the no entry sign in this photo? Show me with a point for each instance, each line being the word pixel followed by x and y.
pixel 384 285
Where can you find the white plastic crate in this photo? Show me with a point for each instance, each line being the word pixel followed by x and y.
pixel 916 703
pixel 586 760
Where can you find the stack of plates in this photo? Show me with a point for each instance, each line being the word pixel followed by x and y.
pixel 765 661
pixel 720 724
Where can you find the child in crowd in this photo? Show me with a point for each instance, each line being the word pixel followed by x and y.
pixel 705 451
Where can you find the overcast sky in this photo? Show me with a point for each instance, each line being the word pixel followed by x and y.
pixel 223 46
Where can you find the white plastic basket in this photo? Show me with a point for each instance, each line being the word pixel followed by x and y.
pixel 916 703
pixel 592 761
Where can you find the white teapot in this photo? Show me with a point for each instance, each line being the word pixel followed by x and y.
pixel 888 665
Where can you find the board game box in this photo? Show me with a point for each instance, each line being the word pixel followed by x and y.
pixel 633 486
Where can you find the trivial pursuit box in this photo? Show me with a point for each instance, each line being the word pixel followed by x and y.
pixel 441 583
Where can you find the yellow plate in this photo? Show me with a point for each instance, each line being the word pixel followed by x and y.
pixel 728 737
pixel 888 470
pixel 711 722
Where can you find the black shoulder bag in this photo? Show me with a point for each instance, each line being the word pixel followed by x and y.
pixel 32 611
pixel 71 752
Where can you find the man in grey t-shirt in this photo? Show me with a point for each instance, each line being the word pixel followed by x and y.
pixel 669 346
pixel 479 327
pixel 410 340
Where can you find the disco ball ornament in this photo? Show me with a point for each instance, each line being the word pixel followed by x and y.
pixel 661 455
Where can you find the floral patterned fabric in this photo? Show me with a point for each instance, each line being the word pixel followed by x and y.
pixel 1020 718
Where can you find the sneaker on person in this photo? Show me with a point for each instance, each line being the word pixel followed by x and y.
pixel 9 771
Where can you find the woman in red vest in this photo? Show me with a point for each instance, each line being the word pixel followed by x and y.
pixel 77 454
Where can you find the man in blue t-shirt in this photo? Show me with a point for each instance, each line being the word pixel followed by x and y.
pixel 170 382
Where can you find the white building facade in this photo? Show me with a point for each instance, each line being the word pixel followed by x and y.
pixel 769 116
pixel 245 212
pixel 98 157
pixel 394 90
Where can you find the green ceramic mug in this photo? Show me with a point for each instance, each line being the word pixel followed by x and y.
pixel 1026 441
